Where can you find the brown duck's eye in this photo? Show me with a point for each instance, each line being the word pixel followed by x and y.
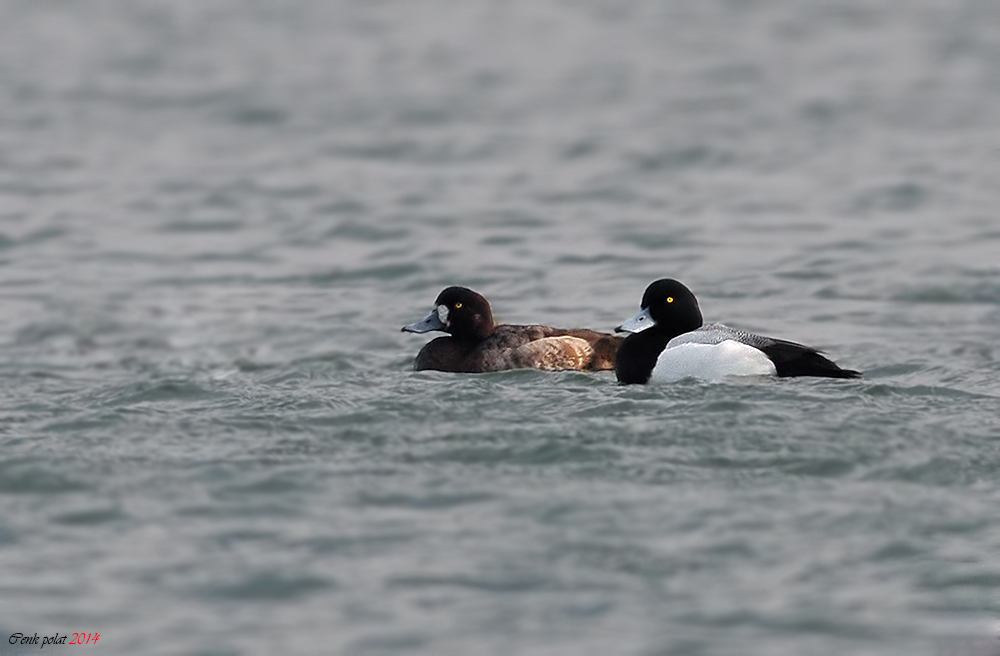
pixel 458 305
pixel 670 299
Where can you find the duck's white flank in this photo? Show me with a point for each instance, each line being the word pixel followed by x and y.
pixel 711 362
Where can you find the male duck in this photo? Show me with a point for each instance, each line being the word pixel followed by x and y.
pixel 669 342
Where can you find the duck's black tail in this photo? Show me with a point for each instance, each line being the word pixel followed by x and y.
pixel 791 359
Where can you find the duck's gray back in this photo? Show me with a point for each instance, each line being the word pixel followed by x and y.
pixel 716 333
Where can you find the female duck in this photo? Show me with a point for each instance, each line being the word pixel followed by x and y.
pixel 669 342
pixel 478 345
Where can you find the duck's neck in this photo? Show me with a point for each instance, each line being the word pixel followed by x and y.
pixel 474 334
pixel 681 323
pixel 637 355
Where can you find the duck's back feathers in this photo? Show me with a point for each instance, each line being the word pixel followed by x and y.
pixel 716 333
pixel 789 358
pixel 522 347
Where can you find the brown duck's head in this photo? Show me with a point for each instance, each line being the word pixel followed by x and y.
pixel 459 311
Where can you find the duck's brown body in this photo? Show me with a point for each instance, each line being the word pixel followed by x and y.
pixel 476 344
pixel 522 347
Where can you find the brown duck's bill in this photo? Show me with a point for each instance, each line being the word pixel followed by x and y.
pixel 432 322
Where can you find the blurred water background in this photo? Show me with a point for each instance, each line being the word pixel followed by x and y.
pixel 215 217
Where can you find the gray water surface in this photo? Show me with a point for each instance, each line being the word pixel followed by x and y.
pixel 215 217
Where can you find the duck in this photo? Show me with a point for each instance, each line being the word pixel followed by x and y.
pixel 668 342
pixel 477 344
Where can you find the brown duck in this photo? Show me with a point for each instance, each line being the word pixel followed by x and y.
pixel 476 344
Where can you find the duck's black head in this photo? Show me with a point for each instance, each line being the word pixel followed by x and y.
pixel 459 311
pixel 668 309
pixel 669 306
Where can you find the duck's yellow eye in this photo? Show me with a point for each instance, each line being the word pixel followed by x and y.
pixel 458 305
pixel 670 299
